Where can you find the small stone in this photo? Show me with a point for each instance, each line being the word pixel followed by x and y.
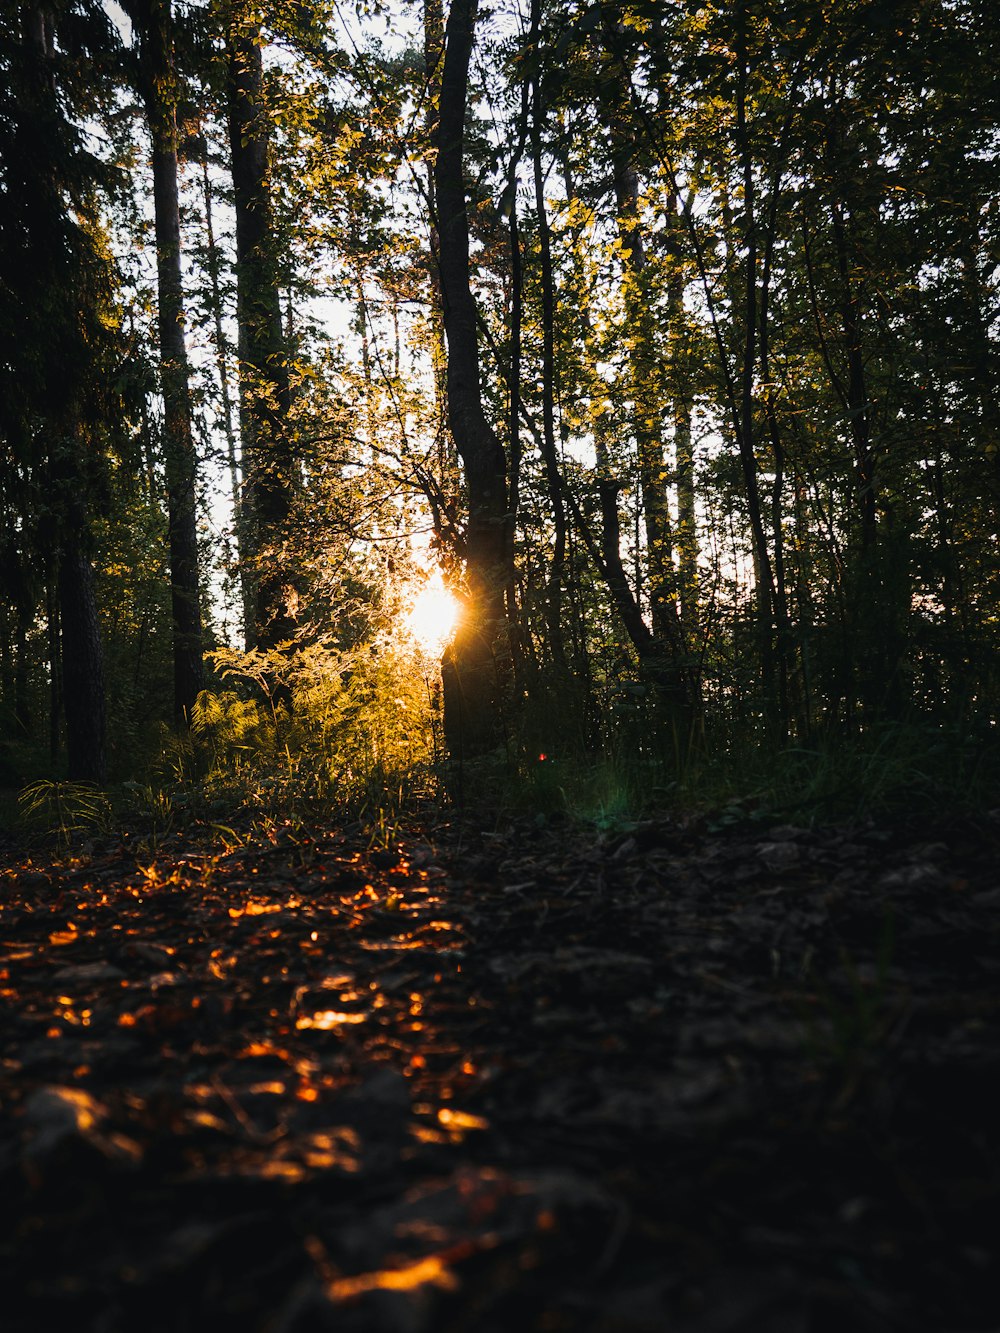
pixel 84 974
pixel 778 856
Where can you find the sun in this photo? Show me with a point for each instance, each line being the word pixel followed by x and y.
pixel 432 617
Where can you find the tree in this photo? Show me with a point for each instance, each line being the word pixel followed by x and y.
pixel 472 667
pixel 58 359
pixel 159 85
pixel 265 393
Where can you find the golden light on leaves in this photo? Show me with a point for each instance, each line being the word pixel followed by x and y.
pixel 433 1269
pixel 460 1120
pixel 338 1147
pixel 276 1169
pixel 433 615
pixel 254 908
pixel 327 1019
pixel 256 1050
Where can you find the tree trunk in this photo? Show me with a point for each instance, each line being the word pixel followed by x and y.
pixel 159 90
pixel 82 664
pixel 471 667
pixel 881 592
pixel 213 266
pixel 550 455
pixel 75 646
pixel 433 66
pixel 687 528
pixel 22 705
pixel 53 639
pixel 745 407
pixel 268 460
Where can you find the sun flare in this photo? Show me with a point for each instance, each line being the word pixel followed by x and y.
pixel 432 617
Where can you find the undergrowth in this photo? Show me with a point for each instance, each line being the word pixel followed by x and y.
pixel 323 735
pixel 334 733
pixel 901 770
pixel 327 736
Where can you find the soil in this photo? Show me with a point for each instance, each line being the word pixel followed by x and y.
pixel 501 1077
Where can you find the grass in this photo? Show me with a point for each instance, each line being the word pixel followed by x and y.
pixel 238 777
pixel 896 771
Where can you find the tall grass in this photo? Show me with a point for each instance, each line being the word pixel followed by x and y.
pixel 915 769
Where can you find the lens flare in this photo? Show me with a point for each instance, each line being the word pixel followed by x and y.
pixel 432 616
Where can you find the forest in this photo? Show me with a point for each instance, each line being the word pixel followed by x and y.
pixel 661 341
pixel 499 613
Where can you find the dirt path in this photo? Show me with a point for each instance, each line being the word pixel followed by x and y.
pixel 526 1079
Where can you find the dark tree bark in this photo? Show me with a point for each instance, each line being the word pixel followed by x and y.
pixel 63 300
pixel 472 673
pixel 154 21
pixel 687 528
pixel 512 374
pixel 82 663
pixel 20 600
pixel 514 404
pixel 550 457
pixel 516 633
pixel 433 68
pixel 265 397
pixel 744 408
pixel 53 638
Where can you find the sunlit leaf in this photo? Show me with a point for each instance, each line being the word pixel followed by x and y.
pixel 327 1019
pixel 431 1270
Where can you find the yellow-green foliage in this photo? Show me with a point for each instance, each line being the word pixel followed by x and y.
pixel 316 723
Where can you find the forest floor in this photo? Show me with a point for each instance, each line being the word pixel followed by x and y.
pixel 539 1078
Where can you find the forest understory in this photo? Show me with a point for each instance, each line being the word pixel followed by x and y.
pixel 502 1075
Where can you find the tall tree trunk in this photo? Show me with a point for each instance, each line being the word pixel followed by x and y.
pixel 550 455
pixel 18 617
pixel 781 617
pixel 514 446
pixel 744 423
pixel 83 665
pixel 472 672
pixel 72 605
pixel 514 399
pixel 983 352
pixel 858 407
pixel 881 591
pixel 214 269
pixel 268 460
pixel 22 704
pixel 433 68
pixel 80 652
pixel 159 90
pixel 687 527
pixel 53 641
